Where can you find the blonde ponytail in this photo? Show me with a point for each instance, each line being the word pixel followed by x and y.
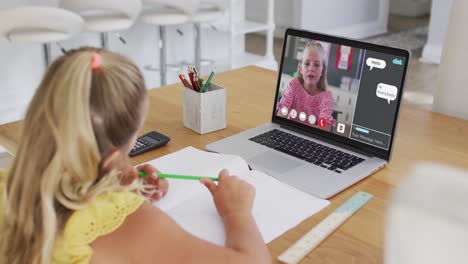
pixel 76 117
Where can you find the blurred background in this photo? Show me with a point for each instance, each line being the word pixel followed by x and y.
pixel 245 33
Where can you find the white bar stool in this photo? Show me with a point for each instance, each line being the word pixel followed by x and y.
pixel 163 13
pixel 105 16
pixel 206 12
pixel 38 24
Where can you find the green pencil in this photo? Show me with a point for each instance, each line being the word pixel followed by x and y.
pixel 174 176
pixel 207 83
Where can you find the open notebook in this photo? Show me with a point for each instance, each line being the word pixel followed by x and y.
pixel 277 206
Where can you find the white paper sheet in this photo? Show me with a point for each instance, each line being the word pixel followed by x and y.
pixel 191 161
pixel 277 206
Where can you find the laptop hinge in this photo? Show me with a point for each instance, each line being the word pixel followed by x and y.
pixel 329 141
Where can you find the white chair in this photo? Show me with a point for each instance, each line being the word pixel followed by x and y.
pixel 206 12
pixel 427 220
pixel 38 24
pixel 104 16
pixel 163 13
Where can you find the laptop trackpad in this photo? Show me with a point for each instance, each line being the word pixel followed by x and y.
pixel 275 162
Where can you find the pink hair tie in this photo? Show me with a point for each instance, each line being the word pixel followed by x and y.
pixel 96 61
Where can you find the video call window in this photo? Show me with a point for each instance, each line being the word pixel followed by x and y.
pixel 340 89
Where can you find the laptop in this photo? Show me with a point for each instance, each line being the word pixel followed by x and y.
pixel 334 116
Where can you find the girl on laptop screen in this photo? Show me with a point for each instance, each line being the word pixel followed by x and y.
pixel 306 99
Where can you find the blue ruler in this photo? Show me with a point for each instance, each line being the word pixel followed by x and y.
pixel 316 235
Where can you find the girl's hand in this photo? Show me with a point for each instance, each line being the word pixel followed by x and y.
pixel 231 195
pixel 160 186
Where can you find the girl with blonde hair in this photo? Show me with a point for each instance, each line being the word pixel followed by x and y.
pixel 307 93
pixel 71 195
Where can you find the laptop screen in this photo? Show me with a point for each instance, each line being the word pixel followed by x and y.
pixel 344 88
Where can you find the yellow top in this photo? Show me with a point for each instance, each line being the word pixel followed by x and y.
pixel 102 216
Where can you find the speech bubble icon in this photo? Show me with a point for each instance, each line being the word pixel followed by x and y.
pixel 387 92
pixel 373 62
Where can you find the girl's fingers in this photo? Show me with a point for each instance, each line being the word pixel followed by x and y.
pixel 224 173
pixel 163 186
pixel 133 173
pixel 211 186
pixel 150 170
pixel 156 196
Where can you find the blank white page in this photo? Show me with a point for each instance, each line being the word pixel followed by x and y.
pixel 192 161
pixel 277 206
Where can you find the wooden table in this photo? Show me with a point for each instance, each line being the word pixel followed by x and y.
pixel 421 135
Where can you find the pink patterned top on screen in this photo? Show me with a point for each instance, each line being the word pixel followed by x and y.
pixel 296 97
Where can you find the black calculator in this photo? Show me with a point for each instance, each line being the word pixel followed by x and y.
pixel 149 141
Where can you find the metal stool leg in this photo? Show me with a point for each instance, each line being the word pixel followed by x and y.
pixel 197 45
pixel 198 61
pixel 162 54
pixel 164 67
pixel 104 40
pixel 47 54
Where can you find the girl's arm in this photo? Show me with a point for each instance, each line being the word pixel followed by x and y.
pixel 326 109
pixel 151 236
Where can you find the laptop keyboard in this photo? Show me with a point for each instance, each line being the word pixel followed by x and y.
pixel 307 150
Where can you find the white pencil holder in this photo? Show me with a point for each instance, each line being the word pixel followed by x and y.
pixel 205 112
